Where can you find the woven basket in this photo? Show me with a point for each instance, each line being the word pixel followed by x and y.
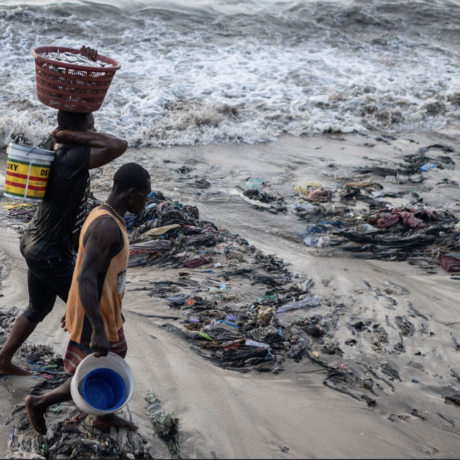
pixel 74 88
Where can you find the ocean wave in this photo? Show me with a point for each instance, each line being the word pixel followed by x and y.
pixel 206 72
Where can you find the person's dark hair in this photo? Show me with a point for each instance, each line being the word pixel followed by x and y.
pixel 67 120
pixel 131 175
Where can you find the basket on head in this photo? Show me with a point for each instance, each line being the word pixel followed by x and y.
pixel 71 87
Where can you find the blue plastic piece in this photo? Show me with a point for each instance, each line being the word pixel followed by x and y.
pixel 104 390
pixel 178 300
pixel 228 323
pixel 153 195
pixel 311 241
pixel 313 230
pixel 428 167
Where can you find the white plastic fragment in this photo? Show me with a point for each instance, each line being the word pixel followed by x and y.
pixel 309 302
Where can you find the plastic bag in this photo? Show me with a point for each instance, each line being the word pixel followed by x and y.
pixel 299 207
pixel 309 302
pixel 365 229
pixel 255 184
pixel 304 186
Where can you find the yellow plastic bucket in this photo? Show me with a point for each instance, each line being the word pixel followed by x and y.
pixel 27 172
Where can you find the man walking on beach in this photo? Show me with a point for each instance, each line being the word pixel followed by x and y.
pixel 48 244
pixel 93 316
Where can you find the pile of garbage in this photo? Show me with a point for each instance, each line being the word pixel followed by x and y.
pixel 392 234
pixel 362 354
pixel 170 234
pixel 19 210
pixel 413 232
pixel 165 424
pixel 257 336
pixel 42 356
pixel 71 435
pixel 253 337
pixel 7 319
pixel 258 194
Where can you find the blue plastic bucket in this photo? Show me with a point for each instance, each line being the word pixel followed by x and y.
pixel 104 390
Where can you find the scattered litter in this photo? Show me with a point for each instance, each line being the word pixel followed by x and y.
pixel 305 188
pixel 309 302
pixel 428 167
pixel 450 261
pixel 70 433
pixel 255 184
pixel 166 425
pixel 320 195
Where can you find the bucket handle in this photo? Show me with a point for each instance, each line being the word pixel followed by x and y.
pixel 43 144
pixel 28 153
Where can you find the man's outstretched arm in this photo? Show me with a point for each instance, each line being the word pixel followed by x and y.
pixel 103 234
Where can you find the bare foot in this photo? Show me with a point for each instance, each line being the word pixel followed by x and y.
pixel 112 420
pixel 12 369
pixel 36 415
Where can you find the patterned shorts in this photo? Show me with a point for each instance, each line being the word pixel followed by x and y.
pixel 76 352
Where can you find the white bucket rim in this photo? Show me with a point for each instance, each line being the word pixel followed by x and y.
pixel 91 363
pixel 29 149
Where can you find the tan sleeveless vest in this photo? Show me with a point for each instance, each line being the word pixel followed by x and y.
pixel 111 286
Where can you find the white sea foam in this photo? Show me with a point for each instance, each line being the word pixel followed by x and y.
pixel 204 78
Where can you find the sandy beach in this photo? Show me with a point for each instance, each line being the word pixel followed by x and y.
pixel 226 414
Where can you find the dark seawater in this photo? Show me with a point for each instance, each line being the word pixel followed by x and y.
pixel 227 71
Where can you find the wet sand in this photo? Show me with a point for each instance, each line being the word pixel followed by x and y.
pixel 230 415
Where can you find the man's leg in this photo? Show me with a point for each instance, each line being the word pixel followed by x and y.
pixel 41 302
pixel 54 279
pixel 21 331
pixel 38 405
